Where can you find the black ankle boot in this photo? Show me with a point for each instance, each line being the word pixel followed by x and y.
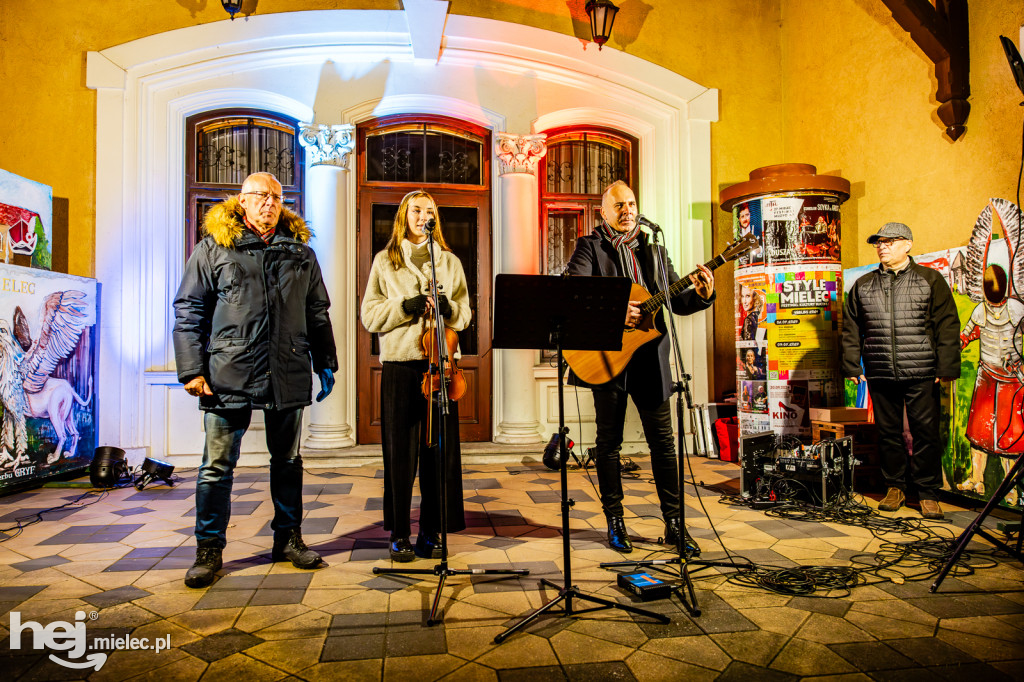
pixel 288 546
pixel 204 570
pixel 428 546
pixel 618 538
pixel 672 527
pixel 400 549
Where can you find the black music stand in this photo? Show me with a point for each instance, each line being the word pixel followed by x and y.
pixel 1014 476
pixel 581 313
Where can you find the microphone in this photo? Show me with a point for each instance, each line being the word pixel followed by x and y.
pixel 552 453
pixel 642 220
pixel 431 224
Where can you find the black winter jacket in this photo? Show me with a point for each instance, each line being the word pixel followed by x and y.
pixel 904 326
pixel 646 377
pixel 252 317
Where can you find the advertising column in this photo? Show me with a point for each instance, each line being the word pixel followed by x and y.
pixel 788 306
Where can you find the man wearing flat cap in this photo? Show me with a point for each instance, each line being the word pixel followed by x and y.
pixel 900 320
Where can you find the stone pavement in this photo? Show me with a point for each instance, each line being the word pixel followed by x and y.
pixel 122 560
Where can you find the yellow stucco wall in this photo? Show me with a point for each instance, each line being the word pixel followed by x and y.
pixel 859 98
pixel 837 84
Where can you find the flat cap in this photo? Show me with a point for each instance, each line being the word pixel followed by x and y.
pixel 891 231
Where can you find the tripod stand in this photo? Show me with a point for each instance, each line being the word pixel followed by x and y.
pixel 551 312
pixel 684 587
pixel 441 398
pixel 1013 477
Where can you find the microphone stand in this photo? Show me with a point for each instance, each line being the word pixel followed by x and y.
pixel 441 570
pixel 681 387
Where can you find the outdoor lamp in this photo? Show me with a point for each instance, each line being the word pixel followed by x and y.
pixel 602 16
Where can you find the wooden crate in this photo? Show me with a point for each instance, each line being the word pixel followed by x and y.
pixel 864 433
pixel 867 475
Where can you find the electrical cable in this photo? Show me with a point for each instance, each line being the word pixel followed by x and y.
pixel 920 555
pixel 37 516
pixel 923 552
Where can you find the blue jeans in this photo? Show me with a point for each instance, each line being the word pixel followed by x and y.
pixel 224 431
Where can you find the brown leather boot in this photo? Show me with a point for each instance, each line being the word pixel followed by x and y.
pixel 894 499
pixel 930 509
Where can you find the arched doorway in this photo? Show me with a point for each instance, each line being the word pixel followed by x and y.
pixel 449 159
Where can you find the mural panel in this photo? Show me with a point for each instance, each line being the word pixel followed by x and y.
pixel 47 367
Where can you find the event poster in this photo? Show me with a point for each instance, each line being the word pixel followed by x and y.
pixel 801 229
pixel 48 356
pixel 788 312
pixel 984 408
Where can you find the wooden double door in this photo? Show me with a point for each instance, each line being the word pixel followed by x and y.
pixel 465 219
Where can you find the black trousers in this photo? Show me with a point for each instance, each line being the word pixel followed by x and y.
pixel 921 399
pixel 404 437
pixel 610 408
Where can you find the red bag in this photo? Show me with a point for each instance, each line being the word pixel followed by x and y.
pixel 727 436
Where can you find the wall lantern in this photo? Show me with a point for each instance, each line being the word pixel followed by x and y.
pixel 602 16
pixel 232 7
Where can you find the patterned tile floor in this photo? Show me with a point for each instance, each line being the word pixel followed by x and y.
pixel 121 561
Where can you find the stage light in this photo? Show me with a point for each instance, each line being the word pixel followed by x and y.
pixel 552 457
pixel 602 17
pixel 108 467
pixel 153 469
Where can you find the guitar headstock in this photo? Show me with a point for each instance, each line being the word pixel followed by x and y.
pixel 734 250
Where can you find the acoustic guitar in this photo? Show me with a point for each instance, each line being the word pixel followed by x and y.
pixel 599 366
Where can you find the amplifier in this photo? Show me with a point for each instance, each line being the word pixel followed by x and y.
pixel 756 451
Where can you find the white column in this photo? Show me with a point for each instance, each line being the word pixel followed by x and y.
pixel 326 207
pixel 520 248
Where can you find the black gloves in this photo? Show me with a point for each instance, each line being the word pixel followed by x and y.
pixel 444 306
pixel 416 305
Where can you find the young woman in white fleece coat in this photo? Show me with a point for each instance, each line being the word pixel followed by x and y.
pixel 397 308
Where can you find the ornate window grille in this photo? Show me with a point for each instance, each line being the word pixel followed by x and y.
pixel 580 163
pixel 224 147
pixel 424 153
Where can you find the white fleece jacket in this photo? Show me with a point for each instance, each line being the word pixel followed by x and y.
pixel 381 310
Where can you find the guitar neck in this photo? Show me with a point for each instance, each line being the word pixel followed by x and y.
pixel 658 300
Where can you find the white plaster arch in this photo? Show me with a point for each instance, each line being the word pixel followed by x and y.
pixel 505 76
pixel 420 103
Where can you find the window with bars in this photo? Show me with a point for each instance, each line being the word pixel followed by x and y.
pixel 423 153
pixel 580 163
pixel 226 146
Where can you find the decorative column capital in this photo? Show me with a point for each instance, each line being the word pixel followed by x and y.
pixel 520 153
pixel 330 145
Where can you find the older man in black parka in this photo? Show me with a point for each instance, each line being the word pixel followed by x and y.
pixel 251 326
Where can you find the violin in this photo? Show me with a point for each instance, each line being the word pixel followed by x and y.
pixel 453 378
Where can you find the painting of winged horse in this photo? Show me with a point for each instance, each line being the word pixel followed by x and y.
pixel 28 388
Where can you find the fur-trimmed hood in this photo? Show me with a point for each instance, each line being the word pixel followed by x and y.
pixel 225 222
